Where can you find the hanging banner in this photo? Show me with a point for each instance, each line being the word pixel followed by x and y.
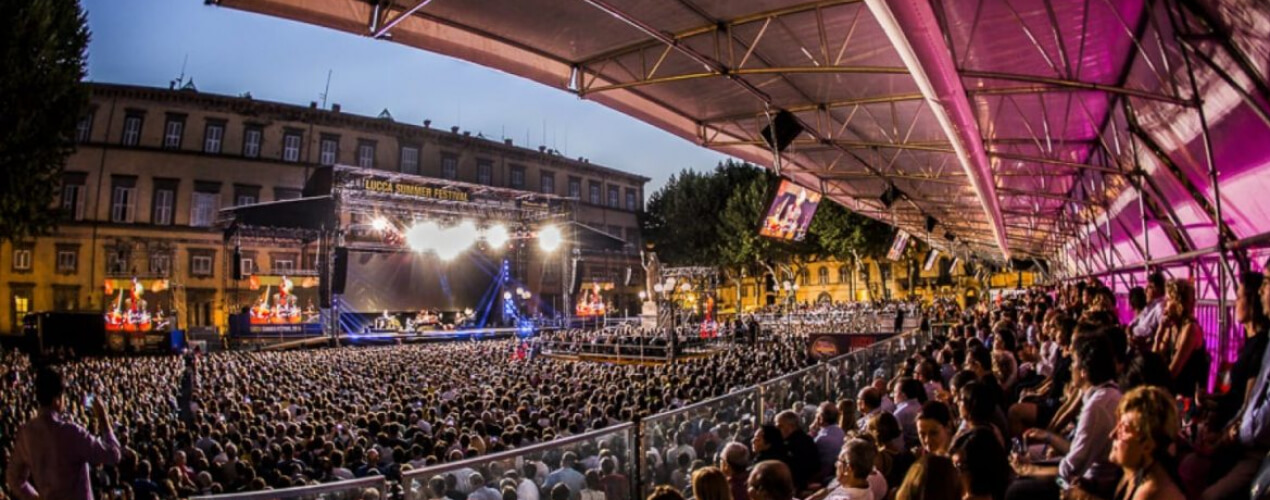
pixel 898 246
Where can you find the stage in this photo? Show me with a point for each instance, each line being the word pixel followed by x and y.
pixel 391 338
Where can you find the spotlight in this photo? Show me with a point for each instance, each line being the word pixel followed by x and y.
pixel 550 238
pixel 520 291
pixel 507 296
pixel 420 237
pixel 452 241
pixel 379 223
pixel 497 236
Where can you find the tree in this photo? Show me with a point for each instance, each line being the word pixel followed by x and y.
pixel 42 98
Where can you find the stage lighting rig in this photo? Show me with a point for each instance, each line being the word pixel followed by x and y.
pixel 497 236
pixel 550 238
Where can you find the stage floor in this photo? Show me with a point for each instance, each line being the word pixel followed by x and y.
pixel 389 338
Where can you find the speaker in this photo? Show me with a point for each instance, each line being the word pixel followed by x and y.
pixel 784 128
pixel 930 223
pixel 890 196
pixel 238 264
pixel 339 271
pixel 575 277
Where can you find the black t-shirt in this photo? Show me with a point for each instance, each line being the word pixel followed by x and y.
pixel 1061 377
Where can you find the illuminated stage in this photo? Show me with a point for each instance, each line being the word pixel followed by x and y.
pixel 399 248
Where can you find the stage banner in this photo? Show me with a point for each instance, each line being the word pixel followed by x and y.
pixel 824 346
pixel 898 246
pixel 413 190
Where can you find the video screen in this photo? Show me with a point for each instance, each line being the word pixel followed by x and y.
pixel 138 305
pixel 791 211
pixel 410 281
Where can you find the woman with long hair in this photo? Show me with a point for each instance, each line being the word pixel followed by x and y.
pixel 1147 428
pixel 709 483
pixel 1180 340
pixel 982 465
pixel 767 444
pixel 1243 373
pixel 933 477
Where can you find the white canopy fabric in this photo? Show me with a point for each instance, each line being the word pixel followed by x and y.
pixel 1066 130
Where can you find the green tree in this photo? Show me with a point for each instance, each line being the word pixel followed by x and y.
pixel 42 98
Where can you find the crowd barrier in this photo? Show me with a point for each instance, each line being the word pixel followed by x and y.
pixel 639 448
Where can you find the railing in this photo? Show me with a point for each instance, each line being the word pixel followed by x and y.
pixel 639 450
pixel 618 441
pixel 353 489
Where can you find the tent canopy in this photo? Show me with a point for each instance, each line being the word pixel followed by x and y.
pixel 1068 130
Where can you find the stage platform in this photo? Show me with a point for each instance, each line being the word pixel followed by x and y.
pixel 390 338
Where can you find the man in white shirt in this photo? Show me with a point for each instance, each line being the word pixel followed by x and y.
pixel 908 393
pixel 853 467
pixel 526 489
pixel 1147 323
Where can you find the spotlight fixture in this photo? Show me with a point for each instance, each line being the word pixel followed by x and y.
pixel 550 238
pixel 379 223
pixel 497 236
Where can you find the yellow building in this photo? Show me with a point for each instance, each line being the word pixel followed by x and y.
pixel 834 281
pixel 154 166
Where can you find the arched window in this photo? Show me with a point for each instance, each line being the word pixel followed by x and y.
pixel 803 277
pixel 822 276
pixel 844 274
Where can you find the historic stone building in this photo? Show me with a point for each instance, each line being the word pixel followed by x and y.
pixel 154 166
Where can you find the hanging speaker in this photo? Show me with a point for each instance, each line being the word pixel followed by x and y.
pixel 930 223
pixel 340 271
pixel 575 277
pixel 783 129
pixel 238 264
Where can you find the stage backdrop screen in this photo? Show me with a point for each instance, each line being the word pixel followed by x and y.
pixel 409 281
pixel 791 211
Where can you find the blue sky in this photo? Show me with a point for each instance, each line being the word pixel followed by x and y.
pixel 143 42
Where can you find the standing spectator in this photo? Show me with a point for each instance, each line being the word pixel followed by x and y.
pixel 615 484
pixel 526 489
pixel 481 491
pixel 566 475
pixel 593 490
pixel 51 457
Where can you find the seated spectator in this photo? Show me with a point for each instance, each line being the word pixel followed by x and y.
pixel 1148 427
pixel 734 462
pixel 1181 341
pixel 868 403
pixel 853 466
pixel 51 456
pixel 893 459
pixel 981 461
pixel 801 454
pixel 1085 457
pixel 768 444
pixel 770 480
pixel 932 477
pixel 909 396
pixel 661 492
pixel 934 428
pixel 829 438
pixel 709 483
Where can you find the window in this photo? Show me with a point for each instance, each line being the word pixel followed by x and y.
pixel 285 193
pixel 204 204
pixel 22 258
pixel 67 260
pixel 21 303
pixel 252 136
pixel 84 129
pixel 123 199
pixel 163 206
pixel 593 193
pixel 366 153
pixel 291 146
pixel 575 187
pixel 822 276
pixel 745 291
pixel 485 172
pixel 410 160
pixel 132 129
pixel 160 263
pixel 517 177
pixel 632 235
pixel 117 262
pixel 613 199
pixel 246 195
pixel 65 298
pixel 248 265
pixel 449 166
pixel 844 274
pixel 631 198
pixel 213 137
pixel 548 183
pixel 283 265
pixel 201 265
pixel 329 149
pixel 174 131
pixel 73 194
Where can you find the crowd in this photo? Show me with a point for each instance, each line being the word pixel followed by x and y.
pixel 1042 396
pixel 255 420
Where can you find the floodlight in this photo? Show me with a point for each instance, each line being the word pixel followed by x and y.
pixel 379 223
pixel 550 238
pixel 452 241
pixel 421 237
pixel 497 236
pixel 507 296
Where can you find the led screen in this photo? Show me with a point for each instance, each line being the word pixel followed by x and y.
pixel 791 211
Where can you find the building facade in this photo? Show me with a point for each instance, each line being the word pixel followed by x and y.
pixel 153 167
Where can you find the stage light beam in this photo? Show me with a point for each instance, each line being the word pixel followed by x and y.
pixel 497 236
pixel 453 241
pixel 550 238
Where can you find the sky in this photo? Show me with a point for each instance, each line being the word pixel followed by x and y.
pixel 226 51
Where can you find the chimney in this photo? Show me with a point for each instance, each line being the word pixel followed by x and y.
pixel 467 133
pixel 542 149
pixel 427 124
pixel 454 129
pixel 335 108
pixel 312 104
pixel 507 141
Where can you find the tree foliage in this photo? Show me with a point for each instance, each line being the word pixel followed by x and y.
pixel 713 218
pixel 42 98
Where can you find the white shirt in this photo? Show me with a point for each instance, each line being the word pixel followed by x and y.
pixel 526 490
pixel 845 493
pixel 877 484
